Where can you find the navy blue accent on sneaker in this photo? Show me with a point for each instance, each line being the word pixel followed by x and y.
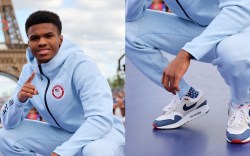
pixel 192 93
pixel 242 136
pixel 186 108
pixel 168 121
pixel 203 104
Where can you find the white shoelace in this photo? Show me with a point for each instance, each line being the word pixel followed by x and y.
pixel 238 118
pixel 172 105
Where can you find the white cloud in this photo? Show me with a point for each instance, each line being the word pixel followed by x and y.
pixel 101 4
pixel 37 4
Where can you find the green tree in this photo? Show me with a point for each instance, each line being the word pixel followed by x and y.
pixel 116 82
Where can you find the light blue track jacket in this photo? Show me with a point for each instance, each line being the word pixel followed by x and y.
pixel 73 96
pixel 221 18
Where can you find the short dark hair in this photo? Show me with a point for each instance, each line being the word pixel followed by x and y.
pixel 43 16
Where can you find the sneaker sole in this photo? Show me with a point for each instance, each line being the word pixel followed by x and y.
pixel 189 117
pixel 239 141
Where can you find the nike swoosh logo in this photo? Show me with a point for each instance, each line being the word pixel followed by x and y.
pixel 186 108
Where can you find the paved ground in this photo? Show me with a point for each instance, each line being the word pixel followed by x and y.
pixel 202 137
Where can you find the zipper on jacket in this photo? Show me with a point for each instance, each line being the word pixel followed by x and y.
pixel 45 99
pixel 187 14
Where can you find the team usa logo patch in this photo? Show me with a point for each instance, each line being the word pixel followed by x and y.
pixel 58 91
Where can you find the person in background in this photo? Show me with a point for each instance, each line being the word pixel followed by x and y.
pixel 33 114
pixel 159 5
pixel 119 103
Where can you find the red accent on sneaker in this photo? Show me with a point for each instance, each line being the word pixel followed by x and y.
pixel 154 125
pixel 236 142
pixel 239 142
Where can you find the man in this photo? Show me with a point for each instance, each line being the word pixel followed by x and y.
pixel 209 31
pixel 69 92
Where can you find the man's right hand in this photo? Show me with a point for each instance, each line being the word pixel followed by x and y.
pixel 28 90
pixel 175 70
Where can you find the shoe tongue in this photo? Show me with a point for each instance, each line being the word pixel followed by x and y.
pixel 237 117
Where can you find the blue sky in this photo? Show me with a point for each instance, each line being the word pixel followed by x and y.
pixel 96 26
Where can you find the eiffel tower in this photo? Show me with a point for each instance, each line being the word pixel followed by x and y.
pixel 12 51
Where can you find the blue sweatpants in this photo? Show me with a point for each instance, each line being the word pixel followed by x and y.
pixel 36 137
pixel 159 31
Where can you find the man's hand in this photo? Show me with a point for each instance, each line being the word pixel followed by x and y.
pixel 54 154
pixel 173 73
pixel 28 90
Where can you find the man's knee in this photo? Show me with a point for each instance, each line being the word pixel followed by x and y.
pixel 226 51
pixel 232 55
pixel 94 149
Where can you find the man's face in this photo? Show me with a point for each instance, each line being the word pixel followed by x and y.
pixel 44 41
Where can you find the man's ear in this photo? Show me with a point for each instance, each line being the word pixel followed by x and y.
pixel 60 40
pixel 28 42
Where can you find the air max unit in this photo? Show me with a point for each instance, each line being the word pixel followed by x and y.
pixel 180 111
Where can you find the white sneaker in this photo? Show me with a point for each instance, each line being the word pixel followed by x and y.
pixel 238 130
pixel 179 112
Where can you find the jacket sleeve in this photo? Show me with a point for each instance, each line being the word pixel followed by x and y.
pixel 96 99
pixel 135 9
pixel 233 18
pixel 13 111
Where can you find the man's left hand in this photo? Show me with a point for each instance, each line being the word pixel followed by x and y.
pixel 175 70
